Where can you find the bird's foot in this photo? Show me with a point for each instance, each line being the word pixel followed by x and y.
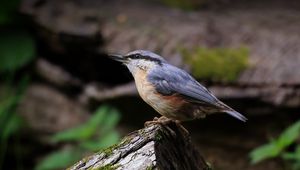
pixel 164 121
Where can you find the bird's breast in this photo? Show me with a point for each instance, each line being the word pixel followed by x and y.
pixel 165 105
pixel 145 88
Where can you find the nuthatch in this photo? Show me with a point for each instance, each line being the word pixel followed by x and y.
pixel 172 92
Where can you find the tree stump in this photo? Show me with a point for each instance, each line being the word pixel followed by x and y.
pixel 157 146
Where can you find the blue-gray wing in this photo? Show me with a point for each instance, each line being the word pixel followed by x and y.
pixel 170 80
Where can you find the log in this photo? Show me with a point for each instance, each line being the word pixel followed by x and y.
pixel 157 146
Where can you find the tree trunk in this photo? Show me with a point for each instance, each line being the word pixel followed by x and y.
pixel 157 146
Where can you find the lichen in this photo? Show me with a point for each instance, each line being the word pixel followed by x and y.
pixel 106 167
pixel 217 64
pixel 142 132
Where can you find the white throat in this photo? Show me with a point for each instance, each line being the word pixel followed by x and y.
pixel 136 65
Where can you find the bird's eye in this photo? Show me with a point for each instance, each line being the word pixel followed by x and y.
pixel 136 56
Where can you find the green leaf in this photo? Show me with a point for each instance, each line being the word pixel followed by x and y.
pixel 10 122
pixel 98 117
pixel 16 50
pixel 13 124
pixel 84 131
pixel 292 155
pixel 276 147
pixel 289 156
pixel 289 136
pixel 296 165
pixel 102 142
pixel 263 152
pixel 111 120
pixel 78 133
pixel 58 160
pixel 5 107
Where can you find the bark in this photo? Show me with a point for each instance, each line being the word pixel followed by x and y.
pixel 157 146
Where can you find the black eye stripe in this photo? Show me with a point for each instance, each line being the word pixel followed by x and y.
pixel 148 58
pixel 134 56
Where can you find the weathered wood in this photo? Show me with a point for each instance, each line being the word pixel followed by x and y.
pixel 164 147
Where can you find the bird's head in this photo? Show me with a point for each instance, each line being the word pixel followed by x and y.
pixel 140 59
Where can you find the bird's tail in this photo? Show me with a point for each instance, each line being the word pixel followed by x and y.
pixel 236 114
pixel 232 112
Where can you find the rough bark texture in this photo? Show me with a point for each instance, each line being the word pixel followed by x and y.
pixel 165 147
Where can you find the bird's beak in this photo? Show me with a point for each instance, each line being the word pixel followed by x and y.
pixel 118 57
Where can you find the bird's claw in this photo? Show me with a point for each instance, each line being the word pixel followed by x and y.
pixel 162 120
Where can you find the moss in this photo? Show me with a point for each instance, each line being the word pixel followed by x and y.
pixel 126 140
pixel 185 4
pixel 158 137
pixel 106 167
pixel 217 64
pixel 108 151
pixel 142 132
pixel 151 167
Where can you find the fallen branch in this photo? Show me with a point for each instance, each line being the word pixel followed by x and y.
pixel 55 74
pixel 92 91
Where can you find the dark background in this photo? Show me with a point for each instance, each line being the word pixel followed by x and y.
pixel 55 73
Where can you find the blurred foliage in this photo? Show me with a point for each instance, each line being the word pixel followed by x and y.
pixel 17 49
pixel 217 64
pixel 278 147
pixel 59 159
pixel 8 11
pixel 97 133
pixel 9 99
pixel 10 121
pixel 185 4
pixel 11 90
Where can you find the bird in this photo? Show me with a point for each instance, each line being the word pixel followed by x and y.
pixel 171 91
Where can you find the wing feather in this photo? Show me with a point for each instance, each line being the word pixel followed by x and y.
pixel 174 80
pixel 170 80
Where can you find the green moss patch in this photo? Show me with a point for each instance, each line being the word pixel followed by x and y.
pixel 217 64
pixel 158 137
pixel 108 151
pixel 152 167
pixel 106 167
pixel 184 4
